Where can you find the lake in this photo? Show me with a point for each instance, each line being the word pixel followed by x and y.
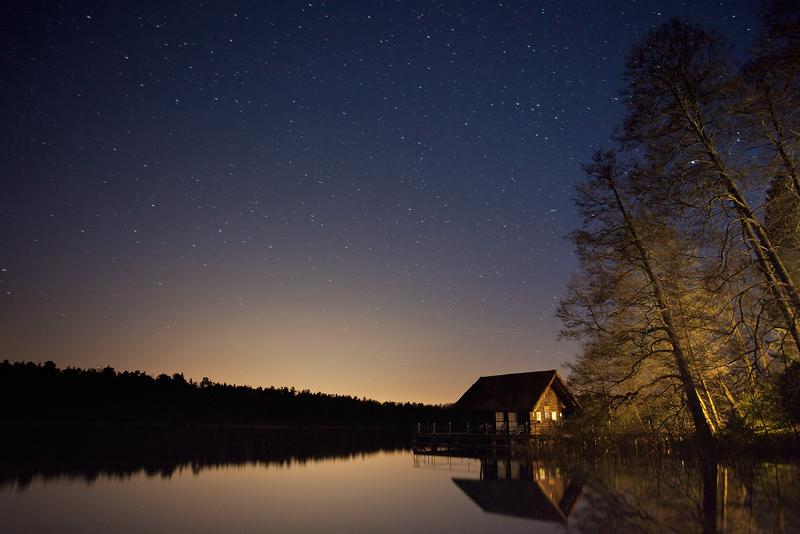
pixel 141 479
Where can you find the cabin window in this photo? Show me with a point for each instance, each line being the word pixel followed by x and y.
pixel 539 417
pixel 554 415
pixel 499 420
pixel 512 420
pixel 547 412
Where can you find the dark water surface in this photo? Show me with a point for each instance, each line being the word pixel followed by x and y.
pixel 207 479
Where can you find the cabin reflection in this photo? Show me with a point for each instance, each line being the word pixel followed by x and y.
pixel 519 488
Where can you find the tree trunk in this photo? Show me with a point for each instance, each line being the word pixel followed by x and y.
pixel 702 424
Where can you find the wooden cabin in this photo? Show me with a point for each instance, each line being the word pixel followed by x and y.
pixel 518 403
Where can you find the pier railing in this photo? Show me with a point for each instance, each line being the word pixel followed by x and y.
pixel 451 439
pixel 486 429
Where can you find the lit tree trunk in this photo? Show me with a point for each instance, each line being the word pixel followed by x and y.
pixel 618 247
pixel 702 423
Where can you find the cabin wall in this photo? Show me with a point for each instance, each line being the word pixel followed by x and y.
pixel 550 406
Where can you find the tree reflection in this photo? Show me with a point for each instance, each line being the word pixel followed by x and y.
pixel 620 495
pixel 678 496
pixel 89 451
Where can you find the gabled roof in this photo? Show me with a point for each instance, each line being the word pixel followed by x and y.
pixel 518 392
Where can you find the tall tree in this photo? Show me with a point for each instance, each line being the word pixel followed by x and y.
pixel 772 102
pixel 773 93
pixel 625 302
pixel 690 246
pixel 685 114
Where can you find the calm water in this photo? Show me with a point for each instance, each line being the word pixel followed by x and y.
pixel 251 480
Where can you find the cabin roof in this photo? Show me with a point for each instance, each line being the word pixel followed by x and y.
pixel 518 392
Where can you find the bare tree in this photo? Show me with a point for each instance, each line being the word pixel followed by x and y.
pixel 685 114
pixel 623 301
pixel 690 245
pixel 772 97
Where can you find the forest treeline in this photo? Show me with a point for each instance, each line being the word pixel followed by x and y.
pixel 31 392
pixel 687 297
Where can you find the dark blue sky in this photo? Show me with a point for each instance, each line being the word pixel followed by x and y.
pixel 366 198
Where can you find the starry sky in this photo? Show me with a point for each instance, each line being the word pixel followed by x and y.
pixel 366 198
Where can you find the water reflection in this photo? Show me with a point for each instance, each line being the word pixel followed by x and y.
pixel 232 480
pixel 678 496
pixel 530 490
pixel 642 495
pixel 91 451
pixel 208 479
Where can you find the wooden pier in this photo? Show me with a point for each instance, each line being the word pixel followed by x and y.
pixel 531 444
pixel 479 445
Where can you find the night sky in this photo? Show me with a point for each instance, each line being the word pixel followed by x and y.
pixel 363 198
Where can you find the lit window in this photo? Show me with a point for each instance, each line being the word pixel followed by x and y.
pixel 512 420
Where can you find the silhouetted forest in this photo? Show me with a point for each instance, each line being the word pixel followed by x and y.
pixel 32 392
